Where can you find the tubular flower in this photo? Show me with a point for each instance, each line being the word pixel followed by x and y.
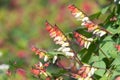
pixel 39 69
pixel 117 47
pixel 42 54
pixel 80 16
pixel 82 40
pixel 60 39
pixel 84 73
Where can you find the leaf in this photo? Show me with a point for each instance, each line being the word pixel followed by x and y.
pixel 107 48
pixel 104 10
pixel 113 31
pixel 93 59
pixel 104 78
pixel 114 74
pixel 87 55
pixel 101 65
pixel 96 15
pixel 84 32
pixel 116 61
pixel 118 68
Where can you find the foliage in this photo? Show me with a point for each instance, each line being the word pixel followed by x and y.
pixel 100 53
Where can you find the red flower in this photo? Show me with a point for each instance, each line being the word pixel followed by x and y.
pixel 35 71
pixel 21 72
pixel 117 47
pixel 21 54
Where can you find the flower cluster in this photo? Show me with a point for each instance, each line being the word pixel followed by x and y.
pixel 40 69
pixel 42 54
pixel 80 16
pixel 69 59
pixel 84 73
pixel 60 39
pixel 82 40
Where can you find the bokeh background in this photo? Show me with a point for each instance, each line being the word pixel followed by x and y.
pixel 22 24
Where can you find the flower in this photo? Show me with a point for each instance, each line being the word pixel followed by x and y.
pixel 80 16
pixel 84 73
pixel 82 40
pixel 41 53
pixel 60 39
pixel 21 72
pixel 54 59
pixel 46 58
pixel 39 69
pixel 117 47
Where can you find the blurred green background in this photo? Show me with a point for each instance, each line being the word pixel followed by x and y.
pixel 22 24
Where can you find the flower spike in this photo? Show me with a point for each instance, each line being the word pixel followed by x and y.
pixel 82 40
pixel 60 39
pixel 84 73
pixel 80 16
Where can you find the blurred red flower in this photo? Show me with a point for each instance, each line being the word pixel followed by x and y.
pixel 21 72
pixel 21 54
pixel 87 7
pixel 117 47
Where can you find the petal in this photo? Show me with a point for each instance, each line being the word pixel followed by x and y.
pixel 69 54
pixel 78 14
pixel 88 44
pixel 60 49
pixel 91 72
pixel 95 31
pixel 46 58
pixel 85 44
pixel 90 39
pixel 66 49
pixel 85 19
pixel 82 42
pixel 60 42
pixel 58 38
pixel 40 64
pixel 54 59
pixel 102 33
pixel 65 44
pixel 53 34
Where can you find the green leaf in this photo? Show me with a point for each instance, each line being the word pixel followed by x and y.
pixel 104 10
pixel 114 74
pixel 104 78
pixel 93 59
pixel 108 48
pixel 102 67
pixel 96 15
pixel 112 30
pixel 116 61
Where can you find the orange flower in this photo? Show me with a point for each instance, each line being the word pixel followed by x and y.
pixel 36 72
pixel 82 40
pixel 80 16
pixel 60 39
pixel 41 53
